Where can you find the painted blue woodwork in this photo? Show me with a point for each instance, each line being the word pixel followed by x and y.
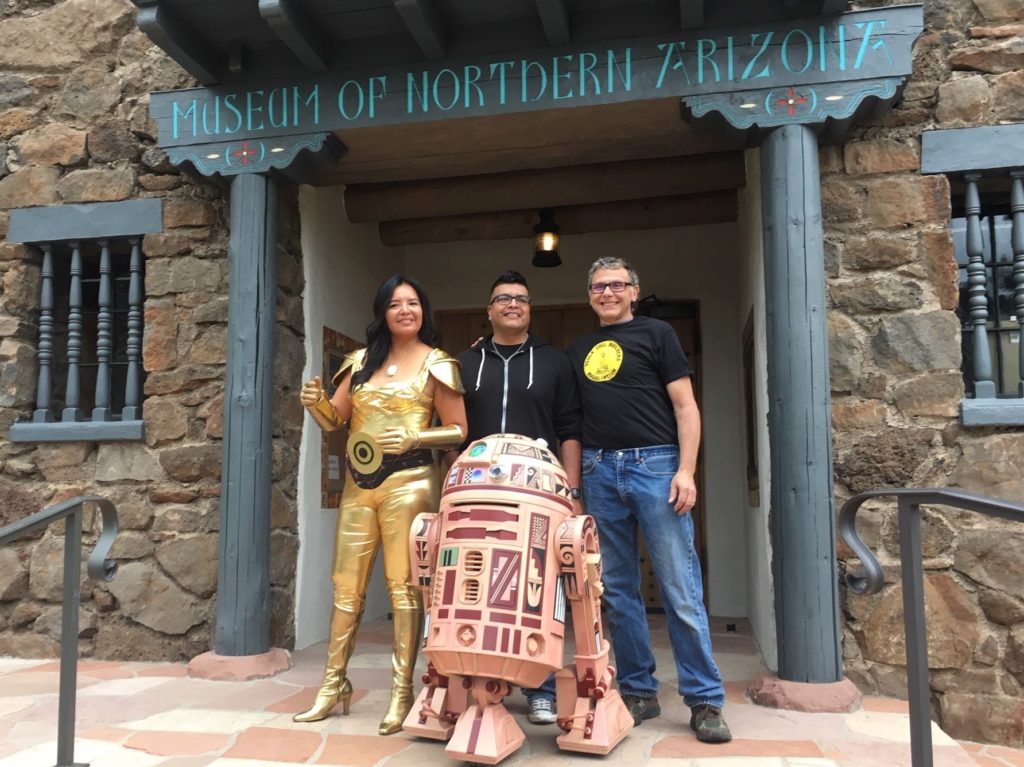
pixel 230 158
pixel 855 55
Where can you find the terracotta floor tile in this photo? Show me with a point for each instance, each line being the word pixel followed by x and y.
pixel 188 761
pixel 303 699
pixel 365 750
pixel 886 705
pixel 1012 756
pixel 112 734
pixel 178 743
pixel 274 744
pixel 167 669
pixel 987 761
pixel 688 747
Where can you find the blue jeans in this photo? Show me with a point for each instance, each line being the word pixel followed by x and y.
pixel 624 490
pixel 546 690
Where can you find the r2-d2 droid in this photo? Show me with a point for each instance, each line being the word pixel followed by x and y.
pixel 496 567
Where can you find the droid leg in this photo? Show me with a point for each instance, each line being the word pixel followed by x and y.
pixel 438 707
pixel 592 714
pixel 486 732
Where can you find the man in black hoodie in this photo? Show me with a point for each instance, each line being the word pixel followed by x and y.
pixel 517 383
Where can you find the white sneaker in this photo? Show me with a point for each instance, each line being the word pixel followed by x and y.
pixel 542 711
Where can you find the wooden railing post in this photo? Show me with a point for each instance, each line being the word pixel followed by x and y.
pixel 977 290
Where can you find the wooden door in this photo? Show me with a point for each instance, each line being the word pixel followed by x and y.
pixel 460 329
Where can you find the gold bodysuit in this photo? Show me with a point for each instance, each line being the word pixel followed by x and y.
pixel 372 518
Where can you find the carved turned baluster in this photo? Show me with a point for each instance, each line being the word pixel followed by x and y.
pixel 133 384
pixel 72 393
pixel 104 336
pixel 977 292
pixel 1017 242
pixel 44 389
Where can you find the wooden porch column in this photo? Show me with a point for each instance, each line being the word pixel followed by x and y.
pixel 243 590
pixel 799 422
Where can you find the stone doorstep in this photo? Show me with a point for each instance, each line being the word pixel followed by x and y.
pixel 837 697
pixel 239 668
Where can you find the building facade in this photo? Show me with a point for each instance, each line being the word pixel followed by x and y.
pixel 233 271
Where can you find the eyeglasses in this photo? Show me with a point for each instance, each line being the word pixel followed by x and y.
pixel 504 299
pixel 618 286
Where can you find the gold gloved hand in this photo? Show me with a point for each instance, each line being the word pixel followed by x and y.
pixel 398 439
pixel 314 399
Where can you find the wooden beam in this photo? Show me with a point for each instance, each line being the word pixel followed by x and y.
pixel 691 14
pixel 829 7
pixel 657 213
pixel 554 17
pixel 424 24
pixel 181 42
pixel 983 148
pixel 298 31
pixel 548 188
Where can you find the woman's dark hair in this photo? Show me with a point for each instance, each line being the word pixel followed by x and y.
pixel 378 337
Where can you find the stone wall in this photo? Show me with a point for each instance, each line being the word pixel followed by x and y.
pixel 74 127
pixel 895 359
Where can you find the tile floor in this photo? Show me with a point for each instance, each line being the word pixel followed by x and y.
pixel 153 715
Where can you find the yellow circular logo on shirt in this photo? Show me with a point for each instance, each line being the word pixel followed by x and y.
pixel 603 361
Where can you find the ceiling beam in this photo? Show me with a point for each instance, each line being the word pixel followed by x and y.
pixel 547 188
pixel 656 213
pixel 834 6
pixel 424 24
pixel 554 17
pixel 181 42
pixel 691 13
pixel 298 31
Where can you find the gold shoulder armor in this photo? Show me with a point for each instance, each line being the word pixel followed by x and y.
pixel 352 360
pixel 445 369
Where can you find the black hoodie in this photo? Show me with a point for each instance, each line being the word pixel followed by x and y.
pixel 533 394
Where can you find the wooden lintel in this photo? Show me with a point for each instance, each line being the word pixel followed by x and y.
pixel 547 188
pixel 691 14
pixel 554 17
pixel 181 42
pixel 424 24
pixel 657 213
pixel 296 30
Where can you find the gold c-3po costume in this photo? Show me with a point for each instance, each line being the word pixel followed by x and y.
pixel 380 516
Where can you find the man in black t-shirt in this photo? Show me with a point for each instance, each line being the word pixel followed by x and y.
pixel 641 433
pixel 518 383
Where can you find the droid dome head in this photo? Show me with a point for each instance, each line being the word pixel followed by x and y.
pixel 509 462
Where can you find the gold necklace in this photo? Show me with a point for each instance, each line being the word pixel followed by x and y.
pixel 392 369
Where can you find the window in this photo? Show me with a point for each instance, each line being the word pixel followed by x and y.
pixel 1002 324
pixel 90 377
pixel 985 167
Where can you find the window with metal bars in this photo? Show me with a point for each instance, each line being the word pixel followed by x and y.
pixel 89 349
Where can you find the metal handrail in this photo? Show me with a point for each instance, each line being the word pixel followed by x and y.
pixel 871 580
pixel 98 568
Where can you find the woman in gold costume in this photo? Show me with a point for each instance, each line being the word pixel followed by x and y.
pixel 389 393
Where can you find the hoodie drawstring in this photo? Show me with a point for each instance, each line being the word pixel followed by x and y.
pixel 530 382
pixel 480 372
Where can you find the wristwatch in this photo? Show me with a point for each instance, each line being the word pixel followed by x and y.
pixel 576 493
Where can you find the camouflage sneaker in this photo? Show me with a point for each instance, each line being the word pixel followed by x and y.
pixel 641 708
pixel 710 726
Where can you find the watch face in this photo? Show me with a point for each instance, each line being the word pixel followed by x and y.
pixel 576 493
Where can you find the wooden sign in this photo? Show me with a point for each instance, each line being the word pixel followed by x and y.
pixel 789 69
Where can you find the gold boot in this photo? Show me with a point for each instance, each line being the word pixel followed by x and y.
pixel 335 688
pixel 408 625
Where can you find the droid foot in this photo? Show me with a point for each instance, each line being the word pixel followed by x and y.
pixel 485 735
pixel 430 716
pixel 599 729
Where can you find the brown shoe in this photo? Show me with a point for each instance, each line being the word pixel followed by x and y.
pixel 641 708
pixel 709 724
